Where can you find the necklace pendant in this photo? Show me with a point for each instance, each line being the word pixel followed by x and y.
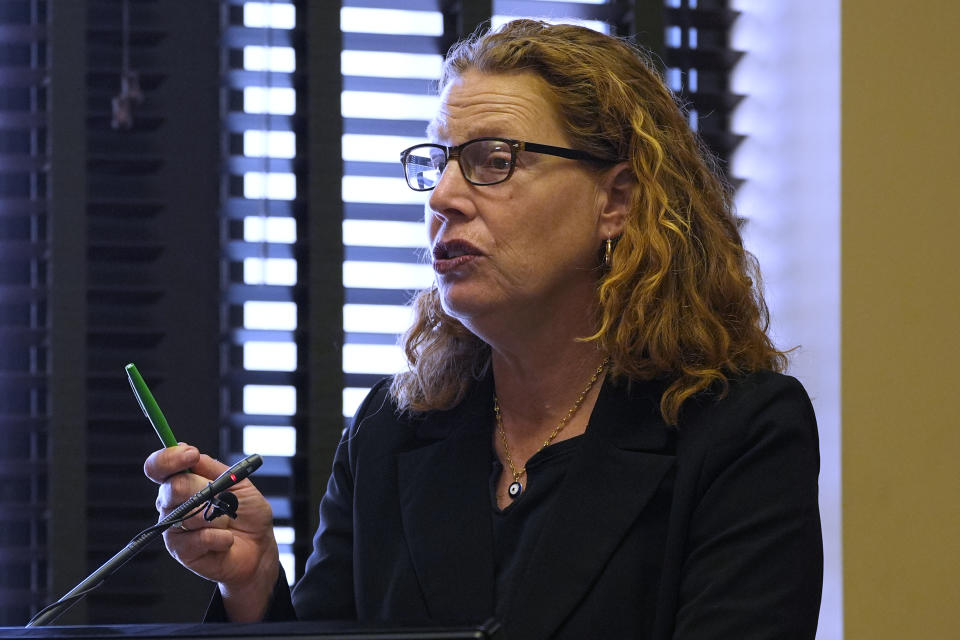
pixel 514 489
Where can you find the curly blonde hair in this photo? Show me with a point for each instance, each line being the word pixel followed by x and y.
pixel 681 300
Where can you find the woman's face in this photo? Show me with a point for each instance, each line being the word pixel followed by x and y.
pixel 525 251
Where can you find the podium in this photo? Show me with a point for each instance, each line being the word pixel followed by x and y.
pixel 259 631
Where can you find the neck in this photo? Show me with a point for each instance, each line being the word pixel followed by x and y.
pixel 540 365
pixel 535 390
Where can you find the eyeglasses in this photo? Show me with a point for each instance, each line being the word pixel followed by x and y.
pixel 483 161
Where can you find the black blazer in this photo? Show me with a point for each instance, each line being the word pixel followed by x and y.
pixel 708 530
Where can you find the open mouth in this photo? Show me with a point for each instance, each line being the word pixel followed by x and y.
pixel 453 254
pixel 454 249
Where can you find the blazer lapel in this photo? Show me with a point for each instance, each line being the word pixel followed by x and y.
pixel 609 482
pixel 446 510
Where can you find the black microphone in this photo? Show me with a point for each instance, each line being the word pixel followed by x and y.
pixel 225 504
pixel 227 479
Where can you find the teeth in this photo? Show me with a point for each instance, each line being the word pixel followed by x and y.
pixel 456 253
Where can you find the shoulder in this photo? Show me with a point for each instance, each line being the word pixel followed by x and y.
pixel 762 409
pixel 379 424
pixel 745 399
pixel 378 406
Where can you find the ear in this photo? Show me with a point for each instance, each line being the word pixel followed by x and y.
pixel 617 186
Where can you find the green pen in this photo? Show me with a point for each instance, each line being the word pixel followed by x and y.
pixel 149 406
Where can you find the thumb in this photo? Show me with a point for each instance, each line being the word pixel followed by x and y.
pixel 209 467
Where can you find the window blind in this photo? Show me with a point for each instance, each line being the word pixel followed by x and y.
pixel 147 240
pixel 261 233
pixel 391 58
pixel 698 61
pixel 23 308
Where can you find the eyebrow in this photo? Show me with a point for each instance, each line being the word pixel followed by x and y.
pixel 435 132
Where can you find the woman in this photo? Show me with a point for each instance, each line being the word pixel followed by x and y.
pixel 591 439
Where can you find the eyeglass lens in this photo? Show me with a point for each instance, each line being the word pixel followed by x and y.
pixel 483 162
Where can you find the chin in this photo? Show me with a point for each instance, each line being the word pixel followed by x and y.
pixel 462 304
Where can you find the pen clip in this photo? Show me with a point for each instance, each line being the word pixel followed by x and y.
pixel 136 394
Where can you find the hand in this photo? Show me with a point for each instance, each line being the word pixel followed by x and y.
pixel 239 554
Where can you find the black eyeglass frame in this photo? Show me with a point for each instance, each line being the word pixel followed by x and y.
pixel 515 146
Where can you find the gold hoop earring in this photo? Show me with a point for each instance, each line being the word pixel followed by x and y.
pixel 608 254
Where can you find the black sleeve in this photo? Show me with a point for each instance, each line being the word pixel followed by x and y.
pixel 279 610
pixel 753 565
pixel 326 591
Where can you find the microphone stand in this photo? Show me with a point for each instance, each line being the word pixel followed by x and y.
pixel 233 475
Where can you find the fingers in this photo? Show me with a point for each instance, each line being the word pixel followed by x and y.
pixel 166 462
pixel 167 467
pixel 194 546
pixel 208 467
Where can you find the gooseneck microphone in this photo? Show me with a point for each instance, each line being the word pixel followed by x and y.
pixel 227 479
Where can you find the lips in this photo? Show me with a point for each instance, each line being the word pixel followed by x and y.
pixel 453 254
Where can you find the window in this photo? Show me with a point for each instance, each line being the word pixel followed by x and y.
pixel 260 235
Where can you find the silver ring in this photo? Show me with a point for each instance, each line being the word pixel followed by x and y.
pixel 182 526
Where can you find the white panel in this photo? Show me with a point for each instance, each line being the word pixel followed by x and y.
pixel 273 271
pixel 269 441
pixel 284 535
pixel 391 21
pixel 386 275
pixel 272 186
pixel 381 190
pixel 388 106
pixel 368 148
pixel 270 315
pixel 269 356
pixel 276 100
pixel 376 318
pixel 352 398
pixel 390 64
pixel 373 358
pixel 674 79
pixel 269 400
pixel 279 59
pixel 276 15
pixel 384 233
pixel 674 36
pixel 270 229
pixel 272 144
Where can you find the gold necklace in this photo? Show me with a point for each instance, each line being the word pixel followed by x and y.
pixel 516 488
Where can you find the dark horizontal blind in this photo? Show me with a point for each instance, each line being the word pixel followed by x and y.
pixel 150 277
pixel 699 60
pixel 23 308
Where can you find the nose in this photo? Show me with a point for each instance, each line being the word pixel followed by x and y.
pixel 451 197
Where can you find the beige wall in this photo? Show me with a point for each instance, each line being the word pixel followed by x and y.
pixel 900 113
